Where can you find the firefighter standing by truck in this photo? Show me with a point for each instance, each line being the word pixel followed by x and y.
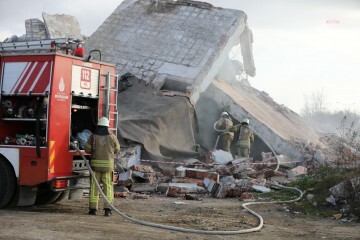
pixel 245 139
pixel 103 146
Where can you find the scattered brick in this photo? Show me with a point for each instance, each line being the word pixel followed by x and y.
pixel 246 196
pixel 120 194
pixel 139 196
pixel 169 172
pixel 142 168
pixel 235 192
pixel 173 192
pixel 202 174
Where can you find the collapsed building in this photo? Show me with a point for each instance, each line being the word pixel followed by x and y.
pixel 175 78
pixel 175 57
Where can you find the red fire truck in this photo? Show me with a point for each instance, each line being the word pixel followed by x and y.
pixel 48 97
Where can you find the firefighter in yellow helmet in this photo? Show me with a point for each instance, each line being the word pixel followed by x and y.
pixel 245 140
pixel 102 145
pixel 225 123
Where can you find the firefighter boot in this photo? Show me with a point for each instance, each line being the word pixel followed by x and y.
pixel 107 212
pixel 92 212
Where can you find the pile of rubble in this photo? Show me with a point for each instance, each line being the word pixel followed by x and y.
pixel 220 177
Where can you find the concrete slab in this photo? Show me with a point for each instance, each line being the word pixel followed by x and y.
pixel 169 43
pixel 222 157
pixel 62 26
pixel 272 122
pixel 35 30
pixel 199 182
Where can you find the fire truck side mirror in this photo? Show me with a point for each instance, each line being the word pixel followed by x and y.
pixel 90 58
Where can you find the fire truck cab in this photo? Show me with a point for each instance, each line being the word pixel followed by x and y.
pixel 49 98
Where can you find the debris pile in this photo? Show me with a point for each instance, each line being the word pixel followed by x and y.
pixel 220 176
pixel 312 154
pixel 215 177
pixel 332 181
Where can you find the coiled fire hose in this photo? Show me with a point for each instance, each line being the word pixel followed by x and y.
pixel 267 144
pixel 187 230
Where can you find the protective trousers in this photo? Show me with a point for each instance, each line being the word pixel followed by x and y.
pixel 226 142
pixel 243 151
pixel 106 179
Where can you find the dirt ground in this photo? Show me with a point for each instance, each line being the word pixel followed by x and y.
pixel 69 220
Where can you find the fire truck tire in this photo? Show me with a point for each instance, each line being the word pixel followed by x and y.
pixel 62 196
pixel 47 197
pixel 7 183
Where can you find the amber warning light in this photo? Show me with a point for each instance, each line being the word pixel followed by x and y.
pixel 60 184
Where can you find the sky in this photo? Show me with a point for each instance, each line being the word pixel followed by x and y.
pixel 301 47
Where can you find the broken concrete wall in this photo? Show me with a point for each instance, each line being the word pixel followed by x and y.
pixel 54 26
pixel 276 124
pixel 182 46
pixel 35 30
pixel 173 44
pixel 62 26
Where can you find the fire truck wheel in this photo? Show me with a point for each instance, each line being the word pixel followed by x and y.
pixel 7 183
pixel 62 196
pixel 46 197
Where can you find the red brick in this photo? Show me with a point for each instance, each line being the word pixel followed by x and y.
pixel 246 196
pixel 201 174
pixel 235 192
pixel 120 194
pixel 173 192
pixel 169 172
pixel 142 168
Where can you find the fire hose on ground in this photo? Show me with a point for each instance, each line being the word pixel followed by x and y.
pixel 187 230
pixel 267 144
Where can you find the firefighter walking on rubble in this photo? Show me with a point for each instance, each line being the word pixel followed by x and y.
pixel 246 138
pixel 103 146
pixel 224 123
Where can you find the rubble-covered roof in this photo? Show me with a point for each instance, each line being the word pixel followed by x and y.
pixel 177 38
pixel 178 44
